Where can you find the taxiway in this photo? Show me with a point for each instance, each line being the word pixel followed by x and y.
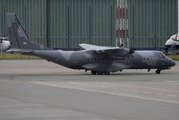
pixel 37 89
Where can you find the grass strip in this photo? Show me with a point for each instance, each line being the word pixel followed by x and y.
pixel 27 57
pixel 17 57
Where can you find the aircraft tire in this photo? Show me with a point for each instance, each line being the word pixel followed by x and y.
pixel 107 72
pixel 158 71
pixel 93 72
pixel 100 73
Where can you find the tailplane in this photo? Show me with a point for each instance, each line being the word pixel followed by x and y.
pixel 18 38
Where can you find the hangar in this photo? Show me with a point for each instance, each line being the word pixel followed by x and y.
pixel 66 23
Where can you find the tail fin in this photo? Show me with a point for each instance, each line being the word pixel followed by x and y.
pixel 18 37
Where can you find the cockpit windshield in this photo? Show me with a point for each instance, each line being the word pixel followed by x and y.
pixel 161 56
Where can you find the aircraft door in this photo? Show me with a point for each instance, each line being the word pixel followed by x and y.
pixel 75 58
pixel 130 58
pixel 152 61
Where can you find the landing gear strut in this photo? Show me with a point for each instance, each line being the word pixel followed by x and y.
pixel 107 73
pixel 158 71
pixel 93 72
pixel 100 72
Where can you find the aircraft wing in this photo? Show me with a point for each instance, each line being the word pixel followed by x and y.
pixel 116 51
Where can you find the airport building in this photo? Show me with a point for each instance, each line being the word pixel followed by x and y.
pixel 64 24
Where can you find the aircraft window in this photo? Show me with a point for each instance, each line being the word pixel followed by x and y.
pixel 102 58
pixel 98 58
pixel 112 58
pixel 105 58
pixel 84 59
pixel 161 56
pixel 119 58
pixel 122 58
pixel 147 58
pixel 88 59
pixel 94 58
pixel 116 58
pixel 91 58
pixel 109 58
pixel 144 58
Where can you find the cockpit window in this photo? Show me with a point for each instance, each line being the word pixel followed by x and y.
pixel 161 56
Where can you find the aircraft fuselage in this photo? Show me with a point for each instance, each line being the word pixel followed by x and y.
pixel 88 59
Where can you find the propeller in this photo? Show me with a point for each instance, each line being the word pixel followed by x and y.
pixel 131 50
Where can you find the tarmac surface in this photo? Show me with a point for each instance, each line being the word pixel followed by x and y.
pixel 41 90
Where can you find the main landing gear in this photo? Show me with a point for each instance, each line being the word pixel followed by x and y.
pixel 158 71
pixel 100 72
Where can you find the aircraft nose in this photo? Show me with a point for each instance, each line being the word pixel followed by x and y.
pixel 170 63
pixel 167 42
pixel 173 63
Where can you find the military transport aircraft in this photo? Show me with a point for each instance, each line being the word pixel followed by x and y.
pixel 97 59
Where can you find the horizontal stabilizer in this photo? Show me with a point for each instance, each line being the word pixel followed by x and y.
pixel 19 51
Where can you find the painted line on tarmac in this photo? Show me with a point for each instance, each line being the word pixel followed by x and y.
pixel 104 92
pixel 142 87
pixel 146 92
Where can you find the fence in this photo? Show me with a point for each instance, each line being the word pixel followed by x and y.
pixel 66 23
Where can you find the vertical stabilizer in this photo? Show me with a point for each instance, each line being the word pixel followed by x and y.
pixel 18 37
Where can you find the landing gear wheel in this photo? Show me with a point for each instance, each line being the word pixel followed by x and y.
pixel 158 71
pixel 107 73
pixel 100 73
pixel 93 72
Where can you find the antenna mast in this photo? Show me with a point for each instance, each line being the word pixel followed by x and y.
pixel 122 31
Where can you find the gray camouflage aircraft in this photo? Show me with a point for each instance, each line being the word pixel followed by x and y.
pixel 97 59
